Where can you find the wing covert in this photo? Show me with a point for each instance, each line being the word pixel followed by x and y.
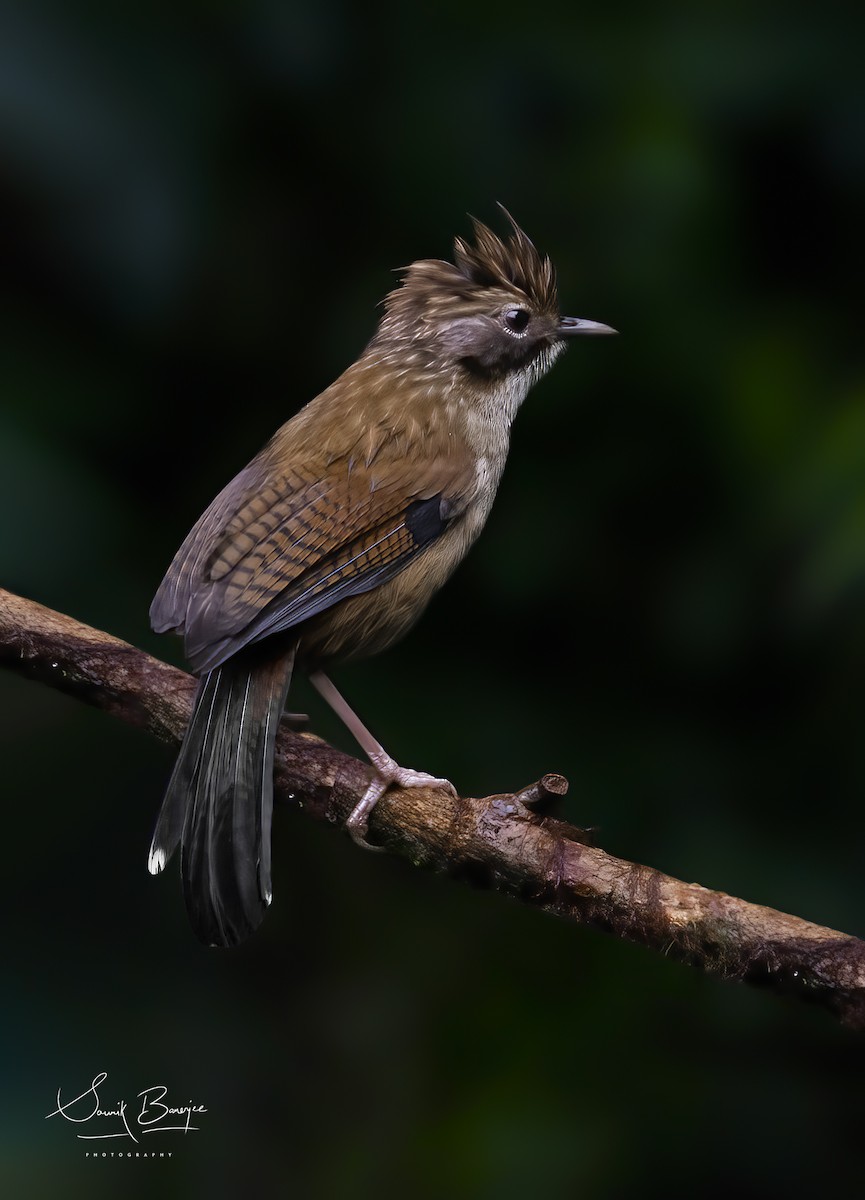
pixel 274 550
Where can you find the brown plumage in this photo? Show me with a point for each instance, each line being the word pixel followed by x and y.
pixel 331 542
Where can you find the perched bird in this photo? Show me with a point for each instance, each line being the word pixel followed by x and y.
pixel 331 542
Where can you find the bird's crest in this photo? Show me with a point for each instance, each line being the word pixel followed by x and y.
pixel 496 262
pixel 512 264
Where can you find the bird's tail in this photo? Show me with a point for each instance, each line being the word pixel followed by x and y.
pixel 219 800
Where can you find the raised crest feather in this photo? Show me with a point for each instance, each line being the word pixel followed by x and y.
pixel 494 262
pixel 509 264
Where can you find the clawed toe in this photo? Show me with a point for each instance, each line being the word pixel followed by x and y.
pixel 405 777
pixel 387 773
pixel 357 829
pixel 391 772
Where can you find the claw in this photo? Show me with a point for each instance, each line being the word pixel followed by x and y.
pixel 388 772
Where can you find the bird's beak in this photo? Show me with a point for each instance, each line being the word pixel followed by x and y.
pixel 571 326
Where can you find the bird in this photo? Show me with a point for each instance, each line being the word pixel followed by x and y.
pixel 331 542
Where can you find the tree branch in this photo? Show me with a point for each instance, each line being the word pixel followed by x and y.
pixel 502 840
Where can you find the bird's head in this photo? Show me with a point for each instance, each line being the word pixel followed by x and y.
pixel 493 311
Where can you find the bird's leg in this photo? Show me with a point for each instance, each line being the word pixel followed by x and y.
pixel 387 770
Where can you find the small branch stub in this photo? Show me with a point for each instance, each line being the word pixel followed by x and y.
pixel 547 792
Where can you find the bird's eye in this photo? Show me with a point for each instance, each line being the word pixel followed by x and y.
pixel 516 319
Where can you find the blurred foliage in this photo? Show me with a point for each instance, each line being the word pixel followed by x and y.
pixel 201 205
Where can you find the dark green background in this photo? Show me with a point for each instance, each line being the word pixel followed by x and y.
pixel 201 206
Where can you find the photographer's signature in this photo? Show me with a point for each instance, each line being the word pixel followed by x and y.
pixel 151 1112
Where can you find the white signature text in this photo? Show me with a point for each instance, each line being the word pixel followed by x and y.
pixel 149 1113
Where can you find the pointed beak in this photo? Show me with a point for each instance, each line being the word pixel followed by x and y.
pixel 571 326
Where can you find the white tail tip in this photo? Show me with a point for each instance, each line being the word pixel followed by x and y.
pixel 155 860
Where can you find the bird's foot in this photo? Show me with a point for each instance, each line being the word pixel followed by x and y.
pixel 387 772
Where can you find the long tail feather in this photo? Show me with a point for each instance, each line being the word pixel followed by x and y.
pixel 219 800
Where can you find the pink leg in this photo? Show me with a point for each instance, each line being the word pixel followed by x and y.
pixel 388 771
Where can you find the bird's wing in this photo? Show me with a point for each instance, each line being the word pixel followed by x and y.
pixel 278 547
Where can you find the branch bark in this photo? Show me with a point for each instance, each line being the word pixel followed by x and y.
pixel 503 840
